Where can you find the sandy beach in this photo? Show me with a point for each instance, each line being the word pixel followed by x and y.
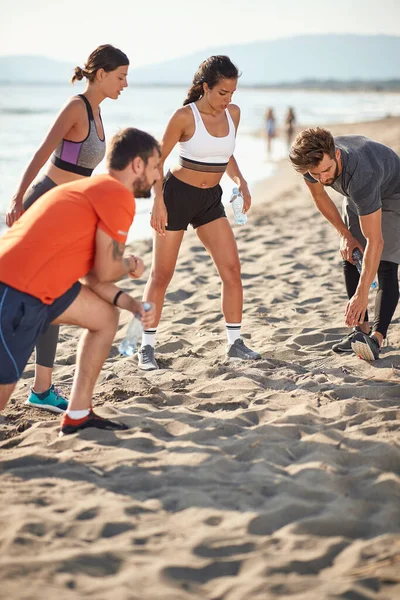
pixel 278 479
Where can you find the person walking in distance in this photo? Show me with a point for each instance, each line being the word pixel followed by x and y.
pixel 270 128
pixel 76 143
pixel 205 130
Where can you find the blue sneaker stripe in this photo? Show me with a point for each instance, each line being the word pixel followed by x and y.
pixel 2 336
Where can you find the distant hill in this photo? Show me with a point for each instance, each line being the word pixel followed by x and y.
pixel 340 57
pixel 287 60
pixel 34 69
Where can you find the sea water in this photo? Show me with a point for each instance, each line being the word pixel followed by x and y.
pixel 28 111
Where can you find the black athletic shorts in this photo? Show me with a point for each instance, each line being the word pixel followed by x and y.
pixel 189 204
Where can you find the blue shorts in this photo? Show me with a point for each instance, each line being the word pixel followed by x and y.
pixel 22 319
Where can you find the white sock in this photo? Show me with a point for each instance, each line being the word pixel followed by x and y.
pixel 78 414
pixel 149 337
pixel 233 332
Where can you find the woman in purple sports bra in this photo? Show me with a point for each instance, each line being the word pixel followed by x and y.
pixel 205 131
pixel 77 144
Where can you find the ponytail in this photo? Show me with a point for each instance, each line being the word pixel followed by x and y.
pixel 195 92
pixel 78 75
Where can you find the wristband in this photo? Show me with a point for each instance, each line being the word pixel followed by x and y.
pixel 117 295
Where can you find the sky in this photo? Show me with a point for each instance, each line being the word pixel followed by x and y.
pixel 155 30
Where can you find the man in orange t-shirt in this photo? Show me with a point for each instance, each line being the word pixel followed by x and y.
pixel 76 231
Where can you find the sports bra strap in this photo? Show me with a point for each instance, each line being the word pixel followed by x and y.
pixel 196 112
pixel 88 107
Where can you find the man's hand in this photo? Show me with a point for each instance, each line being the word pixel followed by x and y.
pixel 138 267
pixel 356 309
pixel 347 244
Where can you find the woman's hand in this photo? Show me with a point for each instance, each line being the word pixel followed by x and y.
pixel 146 316
pixel 14 210
pixel 244 190
pixel 159 216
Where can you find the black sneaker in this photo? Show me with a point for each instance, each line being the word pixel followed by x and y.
pixel 344 345
pixel 69 425
pixel 365 346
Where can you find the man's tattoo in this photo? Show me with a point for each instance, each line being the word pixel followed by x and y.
pixel 117 250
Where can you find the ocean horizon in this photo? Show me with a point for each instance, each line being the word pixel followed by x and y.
pixel 27 112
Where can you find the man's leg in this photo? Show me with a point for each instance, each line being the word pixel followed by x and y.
pixel 387 297
pixel 100 319
pixel 386 300
pixel 6 389
pixel 351 278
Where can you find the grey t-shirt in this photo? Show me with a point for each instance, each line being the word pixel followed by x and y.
pixel 370 177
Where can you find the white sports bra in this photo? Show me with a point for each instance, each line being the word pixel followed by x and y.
pixel 205 152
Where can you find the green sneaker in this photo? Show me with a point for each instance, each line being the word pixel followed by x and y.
pixel 51 400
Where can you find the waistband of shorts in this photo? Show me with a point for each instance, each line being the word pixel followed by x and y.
pixel 170 175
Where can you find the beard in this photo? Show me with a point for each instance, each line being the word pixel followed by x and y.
pixel 336 174
pixel 142 188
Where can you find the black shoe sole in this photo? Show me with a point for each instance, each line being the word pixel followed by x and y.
pixel 340 351
pixel 104 424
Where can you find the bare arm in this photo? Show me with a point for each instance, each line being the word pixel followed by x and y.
pixel 173 133
pixel 232 170
pixel 110 264
pixel 67 118
pixel 371 226
pixel 328 209
pixel 108 291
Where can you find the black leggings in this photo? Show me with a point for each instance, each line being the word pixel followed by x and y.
pixel 387 295
pixel 46 346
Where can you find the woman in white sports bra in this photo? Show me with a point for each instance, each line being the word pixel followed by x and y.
pixel 205 130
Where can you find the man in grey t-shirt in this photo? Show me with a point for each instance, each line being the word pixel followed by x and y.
pixel 368 175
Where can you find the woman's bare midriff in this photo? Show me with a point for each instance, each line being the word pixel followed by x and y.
pixel 196 178
pixel 59 176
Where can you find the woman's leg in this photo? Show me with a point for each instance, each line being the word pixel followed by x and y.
pixel 41 392
pixel 218 239
pixel 165 254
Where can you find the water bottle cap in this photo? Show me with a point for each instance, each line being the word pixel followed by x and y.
pixel 235 190
pixel 146 306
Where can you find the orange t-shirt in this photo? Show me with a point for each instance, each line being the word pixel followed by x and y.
pixel 52 245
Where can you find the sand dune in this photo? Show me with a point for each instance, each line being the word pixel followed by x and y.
pixel 276 479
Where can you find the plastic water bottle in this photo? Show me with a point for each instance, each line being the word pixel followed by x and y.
pixel 358 261
pixel 237 206
pixel 133 335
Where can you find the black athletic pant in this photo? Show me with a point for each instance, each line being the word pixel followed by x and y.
pixel 387 295
pixel 46 346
